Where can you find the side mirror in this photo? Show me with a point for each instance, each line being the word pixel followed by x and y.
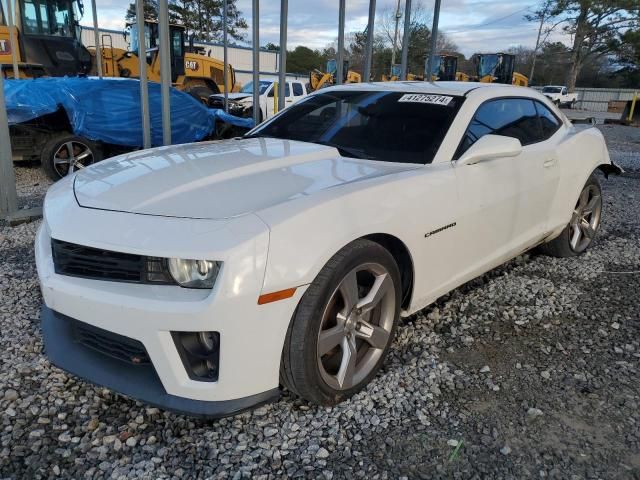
pixel 490 147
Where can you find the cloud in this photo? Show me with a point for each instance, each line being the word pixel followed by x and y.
pixel 474 25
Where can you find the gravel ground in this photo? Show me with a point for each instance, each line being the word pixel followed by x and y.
pixel 528 371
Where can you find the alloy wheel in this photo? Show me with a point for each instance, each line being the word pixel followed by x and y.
pixel 356 326
pixel 585 219
pixel 71 156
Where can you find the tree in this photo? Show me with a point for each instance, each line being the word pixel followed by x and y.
pixel 201 18
pixel 303 59
pixel 627 55
pixel 544 13
pixel 150 11
pixel 594 26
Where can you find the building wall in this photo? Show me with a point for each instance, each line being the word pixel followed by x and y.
pixel 116 38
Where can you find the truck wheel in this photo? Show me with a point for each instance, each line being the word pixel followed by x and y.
pixel 66 153
pixel 200 90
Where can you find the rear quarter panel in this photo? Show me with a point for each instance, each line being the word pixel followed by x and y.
pixel 579 154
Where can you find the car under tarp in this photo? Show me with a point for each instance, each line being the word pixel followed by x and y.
pixel 108 110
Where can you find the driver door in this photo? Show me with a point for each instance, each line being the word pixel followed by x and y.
pixel 504 202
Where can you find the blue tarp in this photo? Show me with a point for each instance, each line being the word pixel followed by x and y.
pixel 108 110
pixel 232 119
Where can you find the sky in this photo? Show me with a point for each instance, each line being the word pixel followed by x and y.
pixel 474 25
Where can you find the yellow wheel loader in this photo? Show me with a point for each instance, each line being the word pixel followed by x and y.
pixel 444 69
pixel 318 79
pixel 192 71
pixel 498 68
pixel 46 37
pixel 396 70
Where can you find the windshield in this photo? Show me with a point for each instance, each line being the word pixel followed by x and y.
pixel 388 126
pixel 437 62
pixel 488 65
pixel 552 90
pixel 248 88
pixel 48 17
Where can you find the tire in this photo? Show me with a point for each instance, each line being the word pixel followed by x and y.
pixel 200 90
pixel 588 208
pixel 250 114
pixel 324 319
pixel 56 151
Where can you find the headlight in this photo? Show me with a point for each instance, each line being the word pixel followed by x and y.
pixel 194 273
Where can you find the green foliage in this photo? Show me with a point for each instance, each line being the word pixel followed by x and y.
pixel 202 18
pixel 595 28
pixel 303 59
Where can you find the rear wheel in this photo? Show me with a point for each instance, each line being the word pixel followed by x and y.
pixel 583 226
pixel 344 325
pixel 66 153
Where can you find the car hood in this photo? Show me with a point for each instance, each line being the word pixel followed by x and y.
pixel 216 180
pixel 234 96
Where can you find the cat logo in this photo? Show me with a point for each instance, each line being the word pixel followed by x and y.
pixel 191 65
pixel 5 47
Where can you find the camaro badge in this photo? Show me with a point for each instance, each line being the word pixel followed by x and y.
pixel 438 230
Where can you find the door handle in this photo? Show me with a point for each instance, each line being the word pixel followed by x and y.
pixel 550 162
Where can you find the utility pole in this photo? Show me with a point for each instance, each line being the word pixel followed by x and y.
pixel 225 55
pixel 434 41
pixel 395 38
pixel 255 41
pixel 405 40
pixel 543 15
pixel 368 54
pixel 340 71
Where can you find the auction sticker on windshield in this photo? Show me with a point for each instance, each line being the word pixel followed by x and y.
pixel 430 99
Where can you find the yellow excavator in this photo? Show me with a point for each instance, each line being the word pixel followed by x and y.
pixel 318 79
pixel 498 68
pixel 192 71
pixel 46 39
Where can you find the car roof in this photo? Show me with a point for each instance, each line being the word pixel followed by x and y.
pixel 438 88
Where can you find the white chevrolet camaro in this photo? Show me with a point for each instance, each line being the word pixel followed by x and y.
pixel 203 278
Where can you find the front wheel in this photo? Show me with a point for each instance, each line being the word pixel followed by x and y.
pixel 583 226
pixel 66 153
pixel 343 326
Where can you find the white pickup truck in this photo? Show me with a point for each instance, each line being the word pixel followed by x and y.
pixel 241 103
pixel 560 95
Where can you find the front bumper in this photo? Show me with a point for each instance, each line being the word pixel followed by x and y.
pixel 140 382
pixel 251 335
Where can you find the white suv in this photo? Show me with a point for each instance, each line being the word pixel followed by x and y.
pixel 241 103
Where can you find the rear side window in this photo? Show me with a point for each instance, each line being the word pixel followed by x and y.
pixel 548 121
pixel 297 89
pixel 511 117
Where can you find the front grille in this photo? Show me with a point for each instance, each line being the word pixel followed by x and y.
pixel 216 102
pixel 94 263
pixel 109 343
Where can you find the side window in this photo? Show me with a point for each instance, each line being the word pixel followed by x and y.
pixel 511 117
pixel 549 122
pixel 30 17
pixel 287 91
pixel 564 91
pixel 297 89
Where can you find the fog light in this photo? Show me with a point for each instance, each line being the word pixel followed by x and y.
pixel 199 352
